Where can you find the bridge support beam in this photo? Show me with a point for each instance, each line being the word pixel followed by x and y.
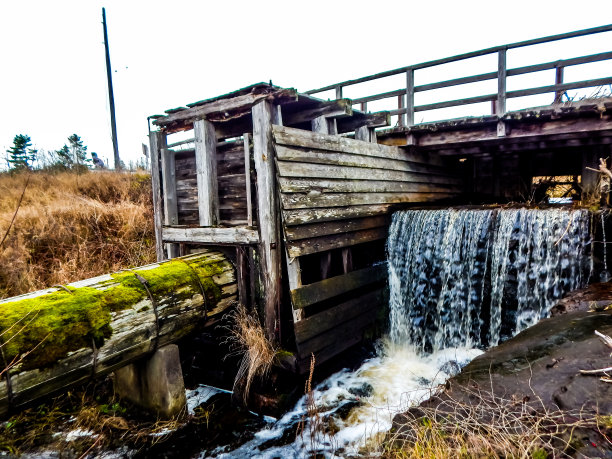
pixel 154 383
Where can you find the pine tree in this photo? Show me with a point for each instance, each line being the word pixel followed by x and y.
pixel 79 151
pixel 21 156
pixel 64 157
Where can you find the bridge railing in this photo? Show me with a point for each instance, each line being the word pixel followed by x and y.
pixel 405 96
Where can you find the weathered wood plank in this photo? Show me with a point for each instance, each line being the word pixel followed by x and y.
pixel 339 107
pixel 268 213
pixel 291 169
pixel 221 106
pixel 330 318
pixel 294 233
pixel 303 216
pixel 310 200
pixel 157 141
pixel 310 156
pixel 338 285
pixel 206 165
pixel 306 185
pixel 316 141
pixel 336 241
pixel 211 235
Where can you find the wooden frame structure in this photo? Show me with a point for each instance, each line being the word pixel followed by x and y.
pixel 298 190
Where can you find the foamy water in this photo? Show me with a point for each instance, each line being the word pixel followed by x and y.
pixel 355 405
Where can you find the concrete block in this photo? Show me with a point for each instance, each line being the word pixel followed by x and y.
pixel 155 383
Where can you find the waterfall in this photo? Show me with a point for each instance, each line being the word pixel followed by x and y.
pixel 473 277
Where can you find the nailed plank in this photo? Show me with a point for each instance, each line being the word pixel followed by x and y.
pixel 336 241
pixel 310 200
pixel 337 285
pixel 211 235
pixel 247 176
pixel 317 141
pixel 313 156
pixel 206 166
pixel 303 216
pixel 330 318
pixel 306 185
pixel 291 169
pixel 294 233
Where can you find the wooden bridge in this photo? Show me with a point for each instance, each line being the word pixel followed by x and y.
pixel 298 190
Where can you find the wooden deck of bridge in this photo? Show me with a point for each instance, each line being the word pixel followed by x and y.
pixel 299 189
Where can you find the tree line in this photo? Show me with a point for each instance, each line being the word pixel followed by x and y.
pixel 71 156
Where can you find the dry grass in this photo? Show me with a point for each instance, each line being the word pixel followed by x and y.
pixel 491 426
pixel 72 226
pixel 247 337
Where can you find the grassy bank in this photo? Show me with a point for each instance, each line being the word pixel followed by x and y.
pixel 72 226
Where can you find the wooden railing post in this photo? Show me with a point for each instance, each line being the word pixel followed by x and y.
pixel 338 92
pixel 501 82
pixel 409 97
pixel 500 105
pixel 401 116
pixel 206 172
pixel 558 80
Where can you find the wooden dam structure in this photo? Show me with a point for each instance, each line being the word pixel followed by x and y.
pixel 297 188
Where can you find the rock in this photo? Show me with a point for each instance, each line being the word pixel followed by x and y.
pixel 539 370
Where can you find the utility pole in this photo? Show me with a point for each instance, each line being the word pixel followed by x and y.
pixel 111 97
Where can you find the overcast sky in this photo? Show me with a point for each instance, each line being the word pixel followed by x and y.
pixel 167 54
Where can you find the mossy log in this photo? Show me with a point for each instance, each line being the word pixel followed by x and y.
pixel 65 335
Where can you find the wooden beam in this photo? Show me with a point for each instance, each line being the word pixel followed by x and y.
pixel 268 213
pixel 295 233
pixel 157 141
pixel 305 216
pixel 297 170
pixel 234 235
pixel 335 241
pixel 308 156
pixel 170 197
pixel 338 285
pixel 206 172
pixel 334 108
pixel 371 120
pixel 223 107
pixel 332 318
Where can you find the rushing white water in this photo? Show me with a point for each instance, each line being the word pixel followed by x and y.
pixel 472 277
pixel 458 281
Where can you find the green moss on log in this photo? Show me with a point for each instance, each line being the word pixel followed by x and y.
pixel 43 329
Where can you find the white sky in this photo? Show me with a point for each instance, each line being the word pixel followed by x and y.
pixel 167 54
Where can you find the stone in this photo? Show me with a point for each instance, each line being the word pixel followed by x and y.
pixel 155 383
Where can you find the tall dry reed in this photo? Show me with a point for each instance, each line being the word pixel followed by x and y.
pixel 72 226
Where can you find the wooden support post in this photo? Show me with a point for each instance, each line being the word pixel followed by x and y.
pixel 247 177
pixel 241 274
pixel 294 274
pixel 206 172
pixel 324 125
pixel 500 105
pixel 268 213
pixel 170 202
pixel 365 133
pixel 409 97
pixel 338 92
pixel 157 141
pixel 558 80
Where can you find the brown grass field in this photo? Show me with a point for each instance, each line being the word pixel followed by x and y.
pixel 72 226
